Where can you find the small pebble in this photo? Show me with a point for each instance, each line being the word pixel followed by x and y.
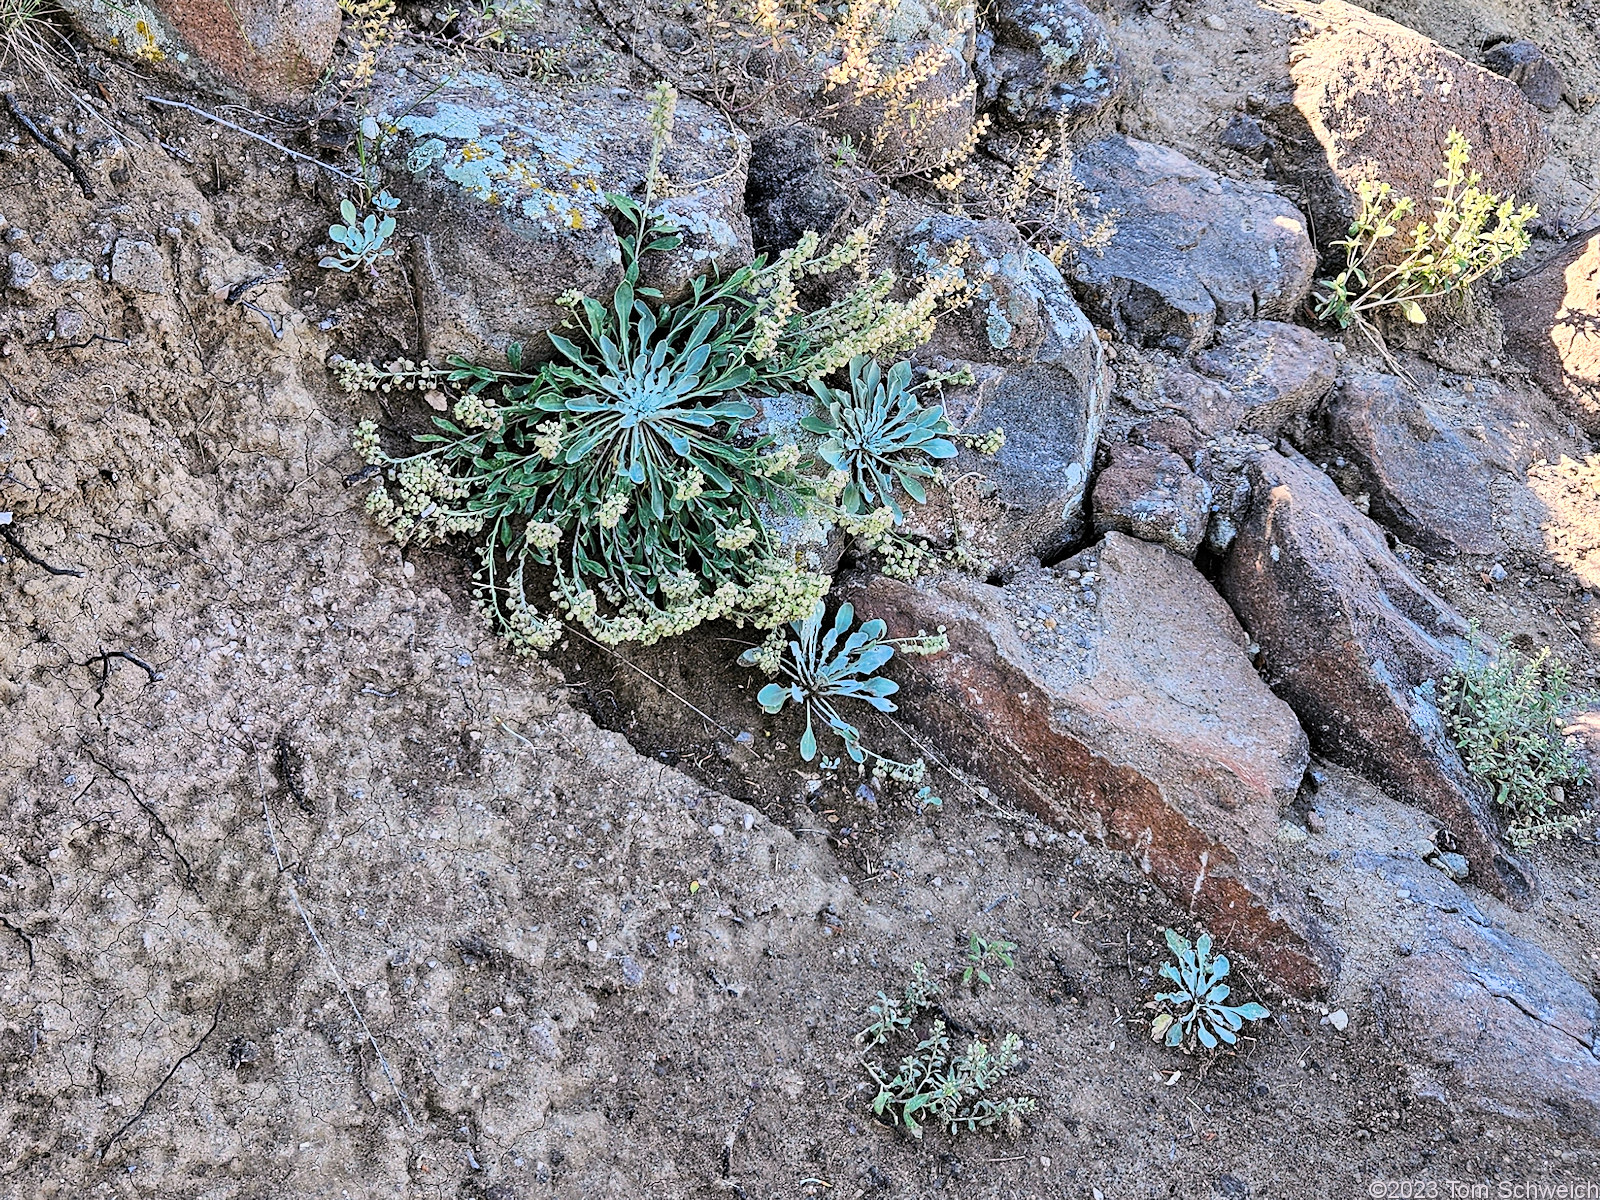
pixel 1215 22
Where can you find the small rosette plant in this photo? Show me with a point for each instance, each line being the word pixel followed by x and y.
pixel 879 435
pixel 1198 1011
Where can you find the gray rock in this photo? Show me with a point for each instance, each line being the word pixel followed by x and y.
pixel 138 265
pixel 1444 468
pixel 1042 62
pixel 1369 99
pixel 506 183
pixel 70 325
pixel 1191 250
pixel 1040 374
pixel 72 270
pixel 1358 646
pixel 1531 69
pixel 1276 374
pixel 1152 495
pixel 789 190
pixel 1244 135
pixel 1487 1023
pixel 21 271
pixel 1033 698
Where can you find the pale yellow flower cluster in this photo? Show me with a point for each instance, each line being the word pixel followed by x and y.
pixel 402 374
pixel 612 509
pixel 737 538
pixel 474 412
pixel 548 442
pixel 690 488
pixel 543 535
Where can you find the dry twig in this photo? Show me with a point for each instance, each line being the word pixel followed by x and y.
pixel 50 144
pixel 252 134
pixel 22 551
pixel 173 1070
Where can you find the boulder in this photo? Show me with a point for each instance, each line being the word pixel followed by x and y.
pixel 1276 374
pixel 1531 69
pixel 1358 648
pixel 1369 99
pixel 275 50
pixel 789 190
pixel 1489 1024
pixel 1191 251
pixel 1552 320
pixel 1209 405
pixel 505 183
pixel 1047 63
pixel 1062 692
pixel 1443 467
pixel 1152 494
pixel 1039 373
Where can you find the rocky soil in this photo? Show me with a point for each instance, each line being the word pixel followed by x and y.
pixel 310 888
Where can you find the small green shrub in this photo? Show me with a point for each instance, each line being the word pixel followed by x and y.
pixel 361 240
pixel 1471 234
pixel 1507 715
pixel 627 466
pixel 878 434
pixel 983 953
pixel 933 1084
pixel 891 1015
pixel 1197 1011
pixel 818 677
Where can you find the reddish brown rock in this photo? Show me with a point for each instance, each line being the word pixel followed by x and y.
pixel 1552 319
pixel 1123 703
pixel 1275 373
pixel 1172 433
pixel 1358 646
pixel 1531 69
pixel 275 50
pixel 1153 495
pixel 1369 99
